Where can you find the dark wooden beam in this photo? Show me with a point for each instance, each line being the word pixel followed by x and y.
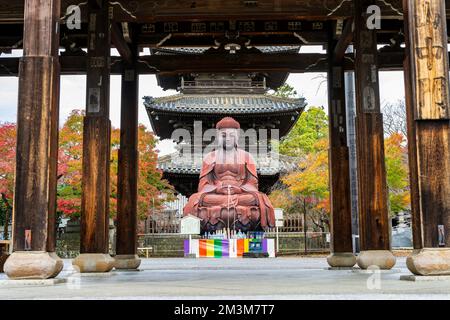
pixel 233 63
pixel 120 43
pixel 35 188
pixel 289 62
pixel 344 41
pixel 174 10
pixel 428 106
pixel 339 164
pixel 34 221
pixel 174 64
pixel 372 184
pixel 204 33
pixel 127 177
pixel 96 136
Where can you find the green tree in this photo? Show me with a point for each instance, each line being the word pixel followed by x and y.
pixel 286 91
pixel 306 189
pixel 311 127
pixel 397 173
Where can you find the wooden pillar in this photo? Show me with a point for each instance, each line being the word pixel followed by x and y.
pixel 96 145
pixel 37 144
pixel 339 167
pixel 428 115
pixel 372 185
pixel 126 257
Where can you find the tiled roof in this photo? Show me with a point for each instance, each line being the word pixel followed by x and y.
pixel 196 171
pixel 265 49
pixel 268 165
pixel 223 103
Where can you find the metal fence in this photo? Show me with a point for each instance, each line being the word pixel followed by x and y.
pixel 290 224
pixel 289 243
pixel 162 227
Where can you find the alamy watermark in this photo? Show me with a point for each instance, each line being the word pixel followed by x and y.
pixel 373 17
pixel 73 17
pixel 374 280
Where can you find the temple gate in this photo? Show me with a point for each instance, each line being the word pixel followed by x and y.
pixel 187 38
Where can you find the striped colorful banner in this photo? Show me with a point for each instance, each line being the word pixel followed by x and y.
pixel 217 248
pixel 264 245
pixel 186 247
pixel 246 245
pixel 225 248
pixel 210 248
pixel 232 248
pixel 240 247
pixel 202 248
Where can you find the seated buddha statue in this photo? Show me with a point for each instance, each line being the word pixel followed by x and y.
pixel 228 195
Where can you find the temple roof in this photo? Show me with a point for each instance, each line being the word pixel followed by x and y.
pixel 224 104
pixel 263 49
pixel 259 111
pixel 273 79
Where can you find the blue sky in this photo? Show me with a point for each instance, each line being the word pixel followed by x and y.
pixel 310 85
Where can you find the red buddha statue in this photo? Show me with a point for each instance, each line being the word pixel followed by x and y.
pixel 228 195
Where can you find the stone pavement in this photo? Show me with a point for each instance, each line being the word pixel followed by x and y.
pixel 209 278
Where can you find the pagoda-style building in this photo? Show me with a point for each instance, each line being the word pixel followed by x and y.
pixel 205 99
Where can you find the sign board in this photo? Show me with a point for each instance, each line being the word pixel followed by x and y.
pixel 278 223
pixel 278 214
pixel 441 235
pixel 278 217
pixel 190 225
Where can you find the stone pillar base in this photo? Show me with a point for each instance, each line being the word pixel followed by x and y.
pixel 93 262
pixel 383 259
pixel 127 261
pixel 429 262
pixel 33 265
pixel 341 260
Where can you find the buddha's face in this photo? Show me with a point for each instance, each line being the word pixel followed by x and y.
pixel 228 138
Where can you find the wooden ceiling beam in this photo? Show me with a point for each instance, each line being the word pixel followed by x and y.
pixel 120 43
pixel 183 64
pixel 176 10
pixel 344 41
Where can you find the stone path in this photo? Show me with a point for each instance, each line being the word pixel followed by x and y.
pixel 279 278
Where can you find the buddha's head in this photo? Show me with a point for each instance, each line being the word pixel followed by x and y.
pixel 228 133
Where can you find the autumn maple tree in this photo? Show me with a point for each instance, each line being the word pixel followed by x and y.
pixel 7 167
pixel 150 183
pixel 71 152
pixel 152 189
